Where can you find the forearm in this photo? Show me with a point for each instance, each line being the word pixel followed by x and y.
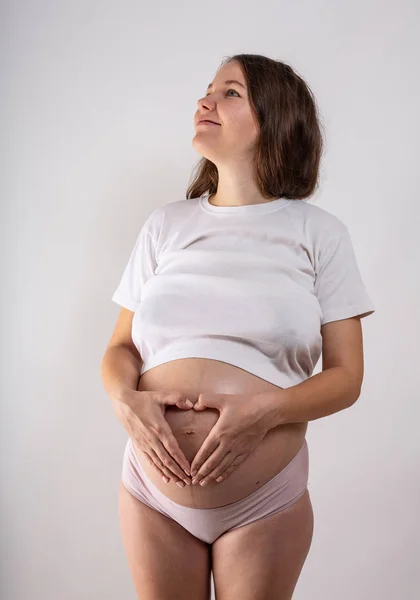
pixel 120 372
pixel 318 396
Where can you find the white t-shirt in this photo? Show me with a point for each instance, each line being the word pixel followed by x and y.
pixel 247 285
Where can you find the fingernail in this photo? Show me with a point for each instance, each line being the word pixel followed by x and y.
pixel 186 472
pixel 193 473
pixel 165 479
pixel 180 484
pixel 203 483
pixel 188 402
pixel 219 479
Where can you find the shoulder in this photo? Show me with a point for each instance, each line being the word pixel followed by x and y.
pixel 180 208
pixel 165 221
pixel 314 222
pixel 168 213
pixel 174 209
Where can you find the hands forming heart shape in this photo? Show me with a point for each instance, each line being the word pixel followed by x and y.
pixel 241 426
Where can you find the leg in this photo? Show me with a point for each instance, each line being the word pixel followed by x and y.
pixel 165 560
pixel 263 560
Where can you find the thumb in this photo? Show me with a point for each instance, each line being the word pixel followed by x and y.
pixel 177 399
pixel 208 401
pixel 185 404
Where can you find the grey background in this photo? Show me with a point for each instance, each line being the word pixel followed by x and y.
pixel 97 113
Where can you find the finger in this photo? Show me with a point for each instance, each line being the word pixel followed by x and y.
pixel 208 447
pixel 153 460
pixel 156 465
pixel 230 469
pixel 165 471
pixel 220 474
pixel 185 404
pixel 163 461
pixel 218 470
pixel 223 476
pixel 216 458
pixel 173 449
pixel 166 449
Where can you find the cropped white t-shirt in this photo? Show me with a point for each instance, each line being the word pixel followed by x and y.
pixel 248 285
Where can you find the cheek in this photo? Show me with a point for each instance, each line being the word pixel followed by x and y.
pixel 244 128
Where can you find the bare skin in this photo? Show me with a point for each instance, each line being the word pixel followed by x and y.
pixel 193 376
pixel 166 561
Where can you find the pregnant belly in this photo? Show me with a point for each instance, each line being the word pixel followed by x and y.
pixel 193 376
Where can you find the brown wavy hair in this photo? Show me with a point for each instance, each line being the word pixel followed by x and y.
pixel 289 146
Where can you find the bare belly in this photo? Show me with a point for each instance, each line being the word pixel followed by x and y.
pixel 193 376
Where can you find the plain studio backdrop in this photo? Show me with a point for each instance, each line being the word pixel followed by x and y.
pixel 98 100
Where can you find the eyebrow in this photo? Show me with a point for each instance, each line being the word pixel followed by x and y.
pixel 229 81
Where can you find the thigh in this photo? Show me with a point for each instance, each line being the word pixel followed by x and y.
pixel 263 560
pixel 165 560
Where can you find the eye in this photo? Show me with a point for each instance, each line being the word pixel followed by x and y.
pixel 229 90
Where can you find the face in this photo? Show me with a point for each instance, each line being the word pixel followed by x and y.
pixel 227 104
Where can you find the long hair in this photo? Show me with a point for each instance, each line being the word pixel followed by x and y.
pixel 289 145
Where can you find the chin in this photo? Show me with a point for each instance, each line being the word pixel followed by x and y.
pixel 204 148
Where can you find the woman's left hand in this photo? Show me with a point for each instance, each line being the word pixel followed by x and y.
pixel 240 428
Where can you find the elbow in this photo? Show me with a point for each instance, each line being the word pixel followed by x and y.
pixel 354 388
pixel 353 396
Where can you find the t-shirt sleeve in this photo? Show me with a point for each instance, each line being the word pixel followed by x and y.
pixel 339 287
pixel 141 264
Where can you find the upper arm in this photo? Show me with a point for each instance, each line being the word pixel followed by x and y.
pixel 141 265
pixel 122 336
pixel 338 285
pixel 342 346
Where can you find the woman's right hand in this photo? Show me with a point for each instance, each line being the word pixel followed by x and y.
pixel 142 414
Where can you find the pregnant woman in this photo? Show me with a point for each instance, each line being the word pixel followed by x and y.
pixel 228 299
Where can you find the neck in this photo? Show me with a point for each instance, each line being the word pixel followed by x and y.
pixel 236 188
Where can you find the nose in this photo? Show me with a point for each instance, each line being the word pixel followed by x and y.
pixel 205 105
pixel 206 102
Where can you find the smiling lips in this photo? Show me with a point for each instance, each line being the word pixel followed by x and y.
pixel 206 122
